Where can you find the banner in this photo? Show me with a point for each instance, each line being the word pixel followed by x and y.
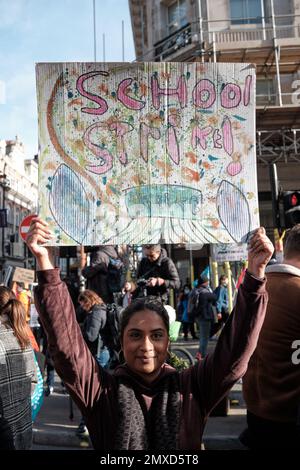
pixel 147 152
pixel 229 252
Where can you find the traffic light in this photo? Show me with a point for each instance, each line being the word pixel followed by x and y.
pixel 291 205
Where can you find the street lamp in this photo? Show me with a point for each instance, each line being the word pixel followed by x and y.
pixel 5 183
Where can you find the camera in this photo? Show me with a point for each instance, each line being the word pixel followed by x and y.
pixel 142 282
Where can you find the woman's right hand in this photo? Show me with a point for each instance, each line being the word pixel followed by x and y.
pixel 37 235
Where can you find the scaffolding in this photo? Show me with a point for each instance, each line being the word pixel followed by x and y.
pixel 270 41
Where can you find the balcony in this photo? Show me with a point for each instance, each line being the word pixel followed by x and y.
pixel 172 43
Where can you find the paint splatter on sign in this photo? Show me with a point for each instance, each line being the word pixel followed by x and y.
pixel 147 152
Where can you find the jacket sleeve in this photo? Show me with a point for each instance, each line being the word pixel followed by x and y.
pixel 173 280
pixel 218 372
pixel 218 293
pixel 72 359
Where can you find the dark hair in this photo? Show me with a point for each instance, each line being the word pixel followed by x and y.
pixel 156 247
pixel 16 315
pixel 144 303
pixel 292 243
pixel 222 278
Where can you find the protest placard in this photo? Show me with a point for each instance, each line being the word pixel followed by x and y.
pixel 147 152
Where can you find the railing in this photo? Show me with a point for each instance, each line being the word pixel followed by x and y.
pixel 225 31
pixel 250 34
pixel 291 98
pixel 173 42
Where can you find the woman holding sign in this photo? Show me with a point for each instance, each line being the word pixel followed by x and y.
pixel 146 404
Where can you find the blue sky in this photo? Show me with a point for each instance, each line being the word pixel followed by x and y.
pixel 51 31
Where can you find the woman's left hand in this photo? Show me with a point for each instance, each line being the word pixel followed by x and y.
pixel 260 250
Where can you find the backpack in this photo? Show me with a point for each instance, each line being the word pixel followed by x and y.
pixel 193 303
pixel 115 275
pixel 111 333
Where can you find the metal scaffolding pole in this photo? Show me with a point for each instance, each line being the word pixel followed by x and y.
pixel 200 29
pixel 103 46
pixel 123 45
pixel 277 51
pixel 263 22
pixel 95 39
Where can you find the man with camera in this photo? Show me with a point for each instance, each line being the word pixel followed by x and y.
pixel 156 274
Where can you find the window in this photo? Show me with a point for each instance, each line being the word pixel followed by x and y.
pixel 245 11
pixel 265 92
pixel 177 15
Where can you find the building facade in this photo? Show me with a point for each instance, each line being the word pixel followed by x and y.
pixel 19 198
pixel 264 32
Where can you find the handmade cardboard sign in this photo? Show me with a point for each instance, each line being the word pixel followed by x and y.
pixel 147 152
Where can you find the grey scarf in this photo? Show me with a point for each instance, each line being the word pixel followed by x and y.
pixel 155 429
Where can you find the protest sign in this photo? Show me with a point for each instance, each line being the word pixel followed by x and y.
pixel 229 252
pixel 147 152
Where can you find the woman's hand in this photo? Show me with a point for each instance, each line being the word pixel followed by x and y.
pixel 260 250
pixel 37 235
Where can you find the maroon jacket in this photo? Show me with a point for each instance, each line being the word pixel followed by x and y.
pixel 201 386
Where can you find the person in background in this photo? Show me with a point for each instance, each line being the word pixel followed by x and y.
pixel 159 272
pixel 126 295
pixel 183 316
pixel 146 404
pixel 203 313
pixel 93 325
pixel 24 296
pixel 18 374
pixel 271 385
pixel 222 306
pixel 96 273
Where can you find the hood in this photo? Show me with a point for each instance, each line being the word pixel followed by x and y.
pixel 283 268
pixel 143 387
pixel 163 255
pixel 109 250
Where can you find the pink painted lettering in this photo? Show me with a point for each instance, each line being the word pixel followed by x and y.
pixel 230 96
pixel 106 159
pixel 204 94
pixel 172 145
pixel 217 138
pixel 200 136
pixel 247 90
pixel 91 96
pixel 227 136
pixel 128 101
pixel 180 92
pixel 121 128
pixel 145 132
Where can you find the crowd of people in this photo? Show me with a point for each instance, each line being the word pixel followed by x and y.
pixel 124 407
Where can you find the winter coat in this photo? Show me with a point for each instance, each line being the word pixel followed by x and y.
pixel 201 387
pixel 96 272
pixel 205 300
pixel 93 324
pixel 18 378
pixel 164 268
pixel 271 386
pixel 221 293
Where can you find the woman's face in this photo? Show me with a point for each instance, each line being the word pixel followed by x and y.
pixel 84 305
pixel 127 286
pixel 145 344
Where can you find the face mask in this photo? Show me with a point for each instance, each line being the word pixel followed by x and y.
pixel 186 291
